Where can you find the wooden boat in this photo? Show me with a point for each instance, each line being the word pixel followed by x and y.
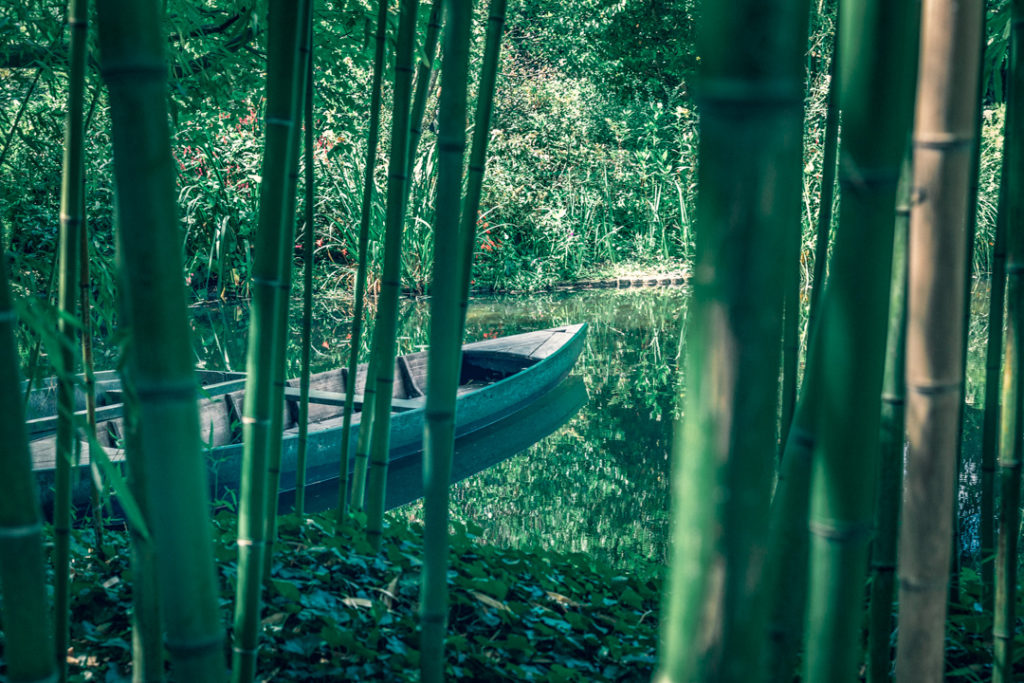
pixel 499 377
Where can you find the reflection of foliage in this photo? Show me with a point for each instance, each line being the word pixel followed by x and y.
pixel 599 485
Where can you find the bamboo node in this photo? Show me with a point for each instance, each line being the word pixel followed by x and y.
pixel 433 618
pixel 915 586
pixel 196 647
pixel 21 530
pixel 476 169
pixel 1014 268
pixel 841 532
pixel 278 121
pixel 250 543
pixel 893 399
pixel 8 316
pixel 258 421
pixel 937 389
pixel 943 141
pixel 449 146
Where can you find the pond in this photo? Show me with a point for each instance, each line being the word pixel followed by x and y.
pixel 599 485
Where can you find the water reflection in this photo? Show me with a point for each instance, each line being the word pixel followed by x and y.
pixel 599 484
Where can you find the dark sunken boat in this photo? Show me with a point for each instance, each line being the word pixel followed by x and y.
pixel 500 379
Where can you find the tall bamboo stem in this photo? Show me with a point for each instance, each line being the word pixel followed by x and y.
pixel 993 365
pixel 28 649
pixel 943 141
pixel 877 60
pixel 71 206
pixel 890 472
pixel 280 362
pixel 478 152
pixel 307 279
pixel 387 302
pixel 271 279
pixel 366 420
pixel 445 353
pixel 423 80
pixel 751 97
pixel 1011 448
pixel 160 360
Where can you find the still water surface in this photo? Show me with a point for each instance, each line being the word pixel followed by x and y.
pixel 599 484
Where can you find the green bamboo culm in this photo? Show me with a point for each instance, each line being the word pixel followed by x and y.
pixel 387 302
pixel 147 645
pixel 366 419
pixel 478 151
pixel 751 98
pixel 160 358
pixel 424 77
pixel 944 131
pixel 268 316
pixel 444 357
pixel 878 57
pixel 828 184
pixel 890 471
pixel 71 206
pixel 993 366
pixel 307 277
pixel 972 229
pixel 85 293
pixel 29 649
pixel 280 362
pixel 1011 449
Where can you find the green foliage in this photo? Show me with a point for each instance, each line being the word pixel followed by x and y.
pixel 336 610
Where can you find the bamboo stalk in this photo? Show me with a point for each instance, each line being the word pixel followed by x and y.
pixel 387 303
pixel 445 353
pixel 1012 417
pixel 160 359
pixel 270 282
pixel 366 420
pixel 71 206
pixel 85 291
pixel 424 70
pixel 28 650
pixel 307 280
pixel 877 61
pixel 890 473
pixel 751 97
pixel 478 152
pixel 281 322
pixel 943 138
pixel 147 641
pixel 993 365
